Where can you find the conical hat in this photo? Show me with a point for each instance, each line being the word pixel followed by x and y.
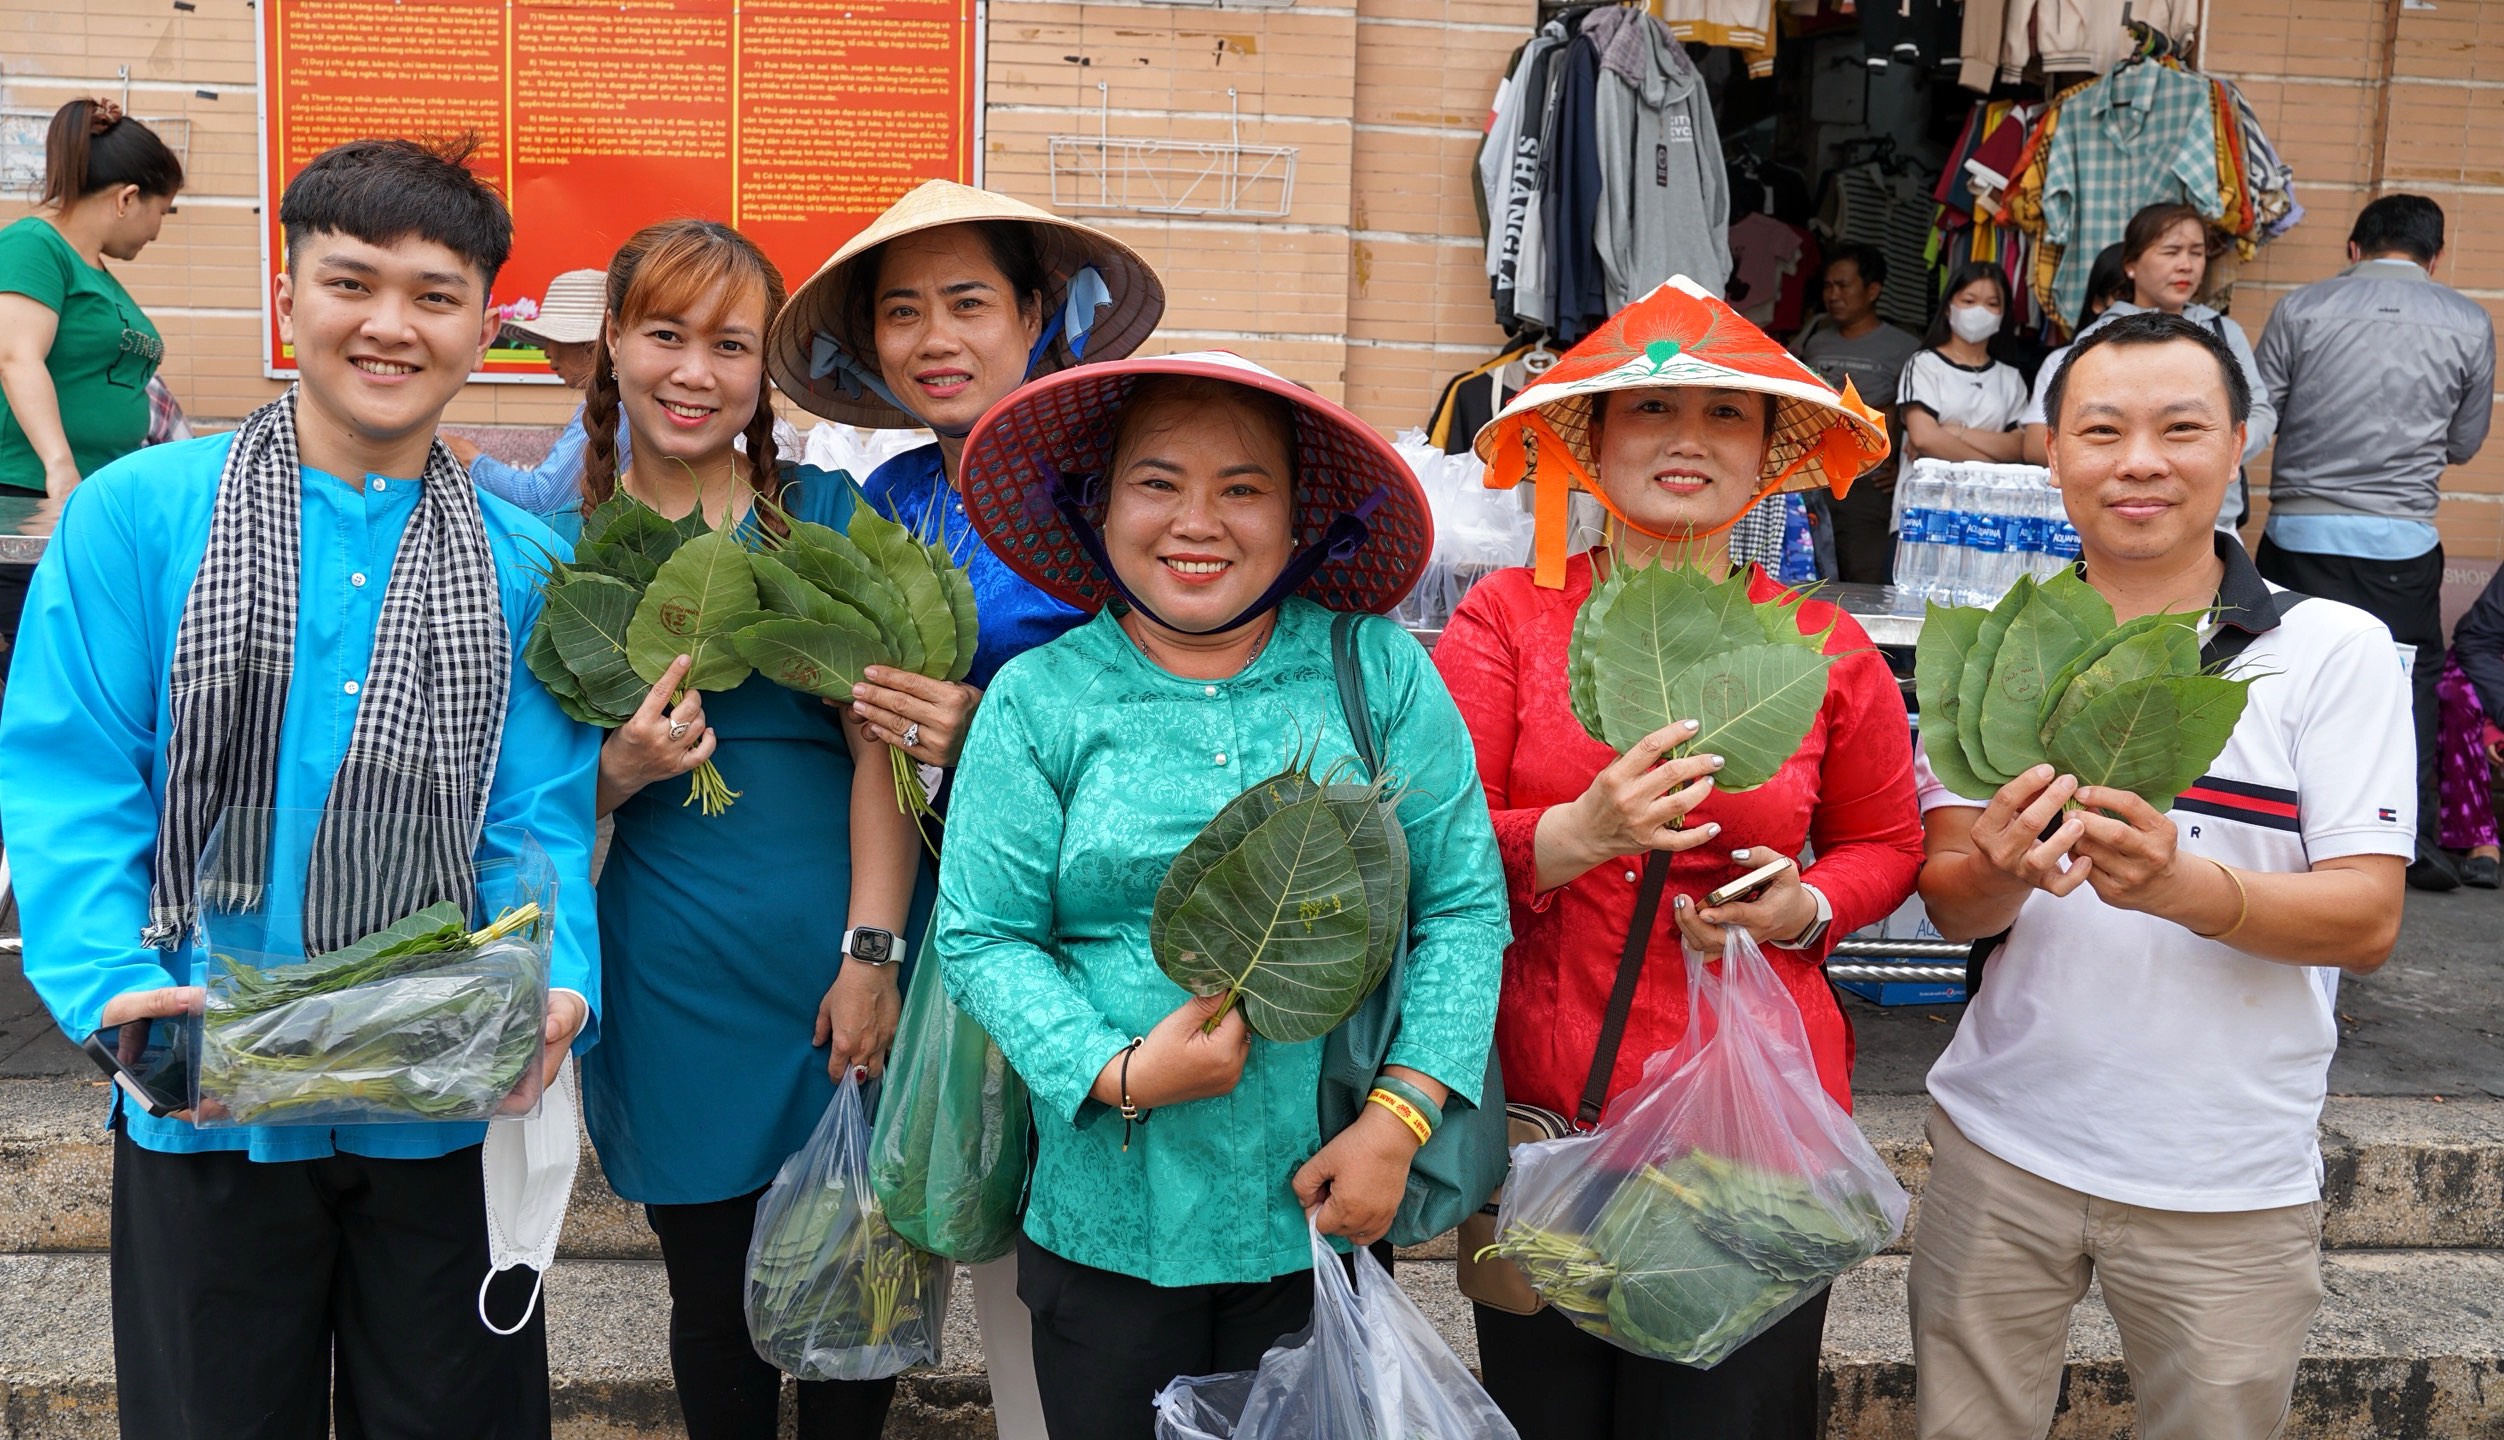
pixel 1065 246
pixel 1680 334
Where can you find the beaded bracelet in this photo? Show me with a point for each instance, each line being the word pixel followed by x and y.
pixel 1406 1113
pixel 1414 1096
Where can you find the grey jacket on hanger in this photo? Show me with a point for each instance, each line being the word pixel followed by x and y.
pixel 1664 190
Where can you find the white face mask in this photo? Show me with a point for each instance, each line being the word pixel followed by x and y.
pixel 1973 324
pixel 530 1165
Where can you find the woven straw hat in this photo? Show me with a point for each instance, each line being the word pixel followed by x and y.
pixel 571 313
pixel 1051 440
pixel 794 355
pixel 1679 335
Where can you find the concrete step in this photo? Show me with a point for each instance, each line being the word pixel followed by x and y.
pixel 2408 1344
pixel 2401 1174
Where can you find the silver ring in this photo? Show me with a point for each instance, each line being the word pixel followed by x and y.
pixel 912 734
pixel 678 730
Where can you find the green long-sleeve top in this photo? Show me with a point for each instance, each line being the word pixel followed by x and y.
pixel 1088 769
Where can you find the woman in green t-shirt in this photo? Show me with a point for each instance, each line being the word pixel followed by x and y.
pixel 76 352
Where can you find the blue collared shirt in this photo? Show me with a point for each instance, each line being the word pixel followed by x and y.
pixel 554 486
pixel 82 742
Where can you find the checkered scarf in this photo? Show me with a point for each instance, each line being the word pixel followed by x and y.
pixel 1757 538
pixel 409 798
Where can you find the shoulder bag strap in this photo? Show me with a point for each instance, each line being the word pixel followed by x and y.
pixel 1349 667
pixel 1621 999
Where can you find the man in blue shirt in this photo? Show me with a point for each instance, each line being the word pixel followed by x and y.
pixel 2382 377
pixel 315 614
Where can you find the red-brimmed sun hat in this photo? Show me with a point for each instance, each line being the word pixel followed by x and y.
pixel 1680 334
pixel 1033 470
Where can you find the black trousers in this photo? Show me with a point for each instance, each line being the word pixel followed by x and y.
pixel 727 1391
pixel 1556 1383
pixel 277 1300
pixel 2406 595
pixel 1105 1343
pixel 1864 548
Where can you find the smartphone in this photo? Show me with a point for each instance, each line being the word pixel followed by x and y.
pixel 150 1059
pixel 1750 885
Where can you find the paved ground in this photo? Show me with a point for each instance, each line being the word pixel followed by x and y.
pixel 2430 1023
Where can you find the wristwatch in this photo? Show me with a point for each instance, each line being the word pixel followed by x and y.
pixel 870 945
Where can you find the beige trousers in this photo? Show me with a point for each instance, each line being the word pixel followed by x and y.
pixel 2212 1308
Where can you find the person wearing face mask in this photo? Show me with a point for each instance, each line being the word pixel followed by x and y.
pixel 748 956
pixel 1678 416
pixel 944 305
pixel 2164 256
pixel 1956 401
pixel 1212 516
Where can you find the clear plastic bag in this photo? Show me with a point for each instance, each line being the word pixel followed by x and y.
pixel 948 1156
pixel 1477 530
pixel 417 992
pixel 833 1292
pixel 1719 1193
pixel 1369 1367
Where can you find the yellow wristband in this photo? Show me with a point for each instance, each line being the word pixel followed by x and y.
pixel 1408 1114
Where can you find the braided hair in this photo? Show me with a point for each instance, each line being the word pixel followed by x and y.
pixel 670 267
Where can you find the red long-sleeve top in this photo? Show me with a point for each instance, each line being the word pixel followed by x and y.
pixel 1848 792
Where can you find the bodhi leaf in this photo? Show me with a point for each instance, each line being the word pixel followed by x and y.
pixel 906 564
pixel 1756 705
pixel 1660 622
pixel 1975 682
pixel 1948 635
pixel 817 657
pixel 785 593
pixel 2151 736
pixel 540 655
pixel 2167 648
pixel 829 560
pixel 1369 815
pixel 632 545
pixel 2069 593
pixel 1267 907
pixel 2040 641
pixel 2104 645
pixel 684 611
pixel 587 618
pixel 959 589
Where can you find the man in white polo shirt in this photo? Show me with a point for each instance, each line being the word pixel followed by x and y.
pixel 2135 1089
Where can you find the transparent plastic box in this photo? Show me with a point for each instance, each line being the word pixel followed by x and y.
pixel 337 992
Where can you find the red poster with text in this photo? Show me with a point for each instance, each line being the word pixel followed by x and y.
pixel 795 120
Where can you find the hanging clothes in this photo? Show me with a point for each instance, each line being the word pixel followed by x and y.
pixel 1746 26
pixel 1771 267
pixel 2000 38
pixel 1471 398
pixel 1664 202
pixel 1578 280
pixel 1912 32
pixel 2140 136
pixel 1523 109
pixel 1874 204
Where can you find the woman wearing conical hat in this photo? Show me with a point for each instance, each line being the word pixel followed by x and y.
pixel 947 303
pixel 1677 416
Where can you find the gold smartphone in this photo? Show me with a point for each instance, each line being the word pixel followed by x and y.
pixel 1750 885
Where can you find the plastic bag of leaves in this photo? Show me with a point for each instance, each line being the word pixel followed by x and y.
pixel 833 1292
pixel 948 1155
pixel 1369 1367
pixel 1716 1195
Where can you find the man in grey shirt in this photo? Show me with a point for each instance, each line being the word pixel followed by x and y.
pixel 2381 377
pixel 1852 343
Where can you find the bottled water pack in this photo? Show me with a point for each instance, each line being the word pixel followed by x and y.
pixel 1970 528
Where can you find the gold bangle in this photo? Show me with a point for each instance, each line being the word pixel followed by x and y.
pixel 1406 1113
pixel 2243 907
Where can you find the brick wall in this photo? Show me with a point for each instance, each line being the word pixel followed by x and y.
pixel 2364 98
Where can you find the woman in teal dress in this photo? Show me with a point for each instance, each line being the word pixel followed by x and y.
pixel 930 316
pixel 742 964
pixel 1228 512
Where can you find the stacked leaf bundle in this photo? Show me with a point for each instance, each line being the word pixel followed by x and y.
pixel 1291 902
pixel 424 1019
pixel 1657 644
pixel 811 611
pixel 2047 675
pixel 1687 1261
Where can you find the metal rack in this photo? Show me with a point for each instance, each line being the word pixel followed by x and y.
pixel 1172 177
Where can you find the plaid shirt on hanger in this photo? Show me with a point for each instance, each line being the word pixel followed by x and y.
pixel 2140 136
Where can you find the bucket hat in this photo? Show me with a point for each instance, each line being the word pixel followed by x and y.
pixel 1033 479
pixel 1679 335
pixel 1100 301
pixel 572 311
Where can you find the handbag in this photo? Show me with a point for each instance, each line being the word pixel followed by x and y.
pixel 1496 1282
pixel 1464 1162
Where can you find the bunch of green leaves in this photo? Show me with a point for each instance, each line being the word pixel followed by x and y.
pixel 948 1154
pixel 2047 675
pixel 640 592
pixel 1291 901
pixel 1689 1260
pixel 425 1019
pixel 834 1293
pixel 1657 644
pixel 840 601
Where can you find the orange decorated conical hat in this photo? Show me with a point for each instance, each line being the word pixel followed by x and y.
pixel 1680 334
